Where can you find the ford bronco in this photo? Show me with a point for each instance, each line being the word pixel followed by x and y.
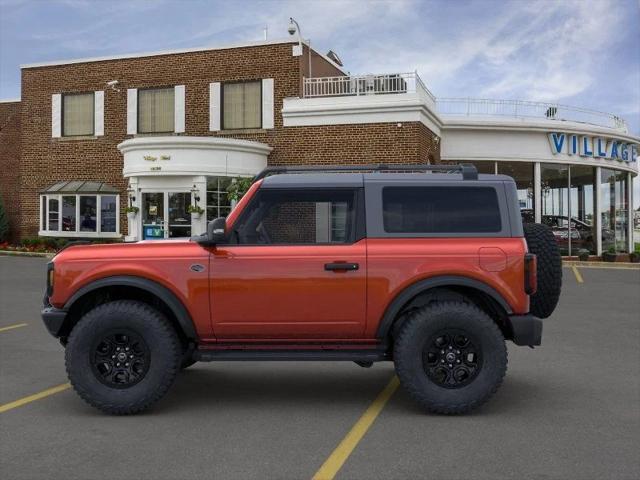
pixel 429 267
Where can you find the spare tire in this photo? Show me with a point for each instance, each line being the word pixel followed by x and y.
pixel 542 243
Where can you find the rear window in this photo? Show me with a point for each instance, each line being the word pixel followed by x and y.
pixel 441 210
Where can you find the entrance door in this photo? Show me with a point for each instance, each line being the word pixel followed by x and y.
pixel 164 215
pixel 296 268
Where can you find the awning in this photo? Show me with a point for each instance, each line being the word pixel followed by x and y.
pixel 79 186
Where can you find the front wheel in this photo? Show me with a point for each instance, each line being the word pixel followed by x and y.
pixel 122 357
pixel 450 357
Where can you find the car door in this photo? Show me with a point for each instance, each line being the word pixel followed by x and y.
pixel 294 268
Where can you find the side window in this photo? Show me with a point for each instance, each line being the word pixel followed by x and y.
pixel 298 217
pixel 440 210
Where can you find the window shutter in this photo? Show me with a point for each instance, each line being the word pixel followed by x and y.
pixel 56 115
pixel 178 110
pixel 267 103
pixel 214 107
pixel 132 111
pixel 98 112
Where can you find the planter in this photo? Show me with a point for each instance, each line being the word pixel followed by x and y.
pixel 195 216
pixel 613 257
pixel 583 255
pixel 131 216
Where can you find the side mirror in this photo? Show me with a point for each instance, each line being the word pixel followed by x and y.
pixel 216 233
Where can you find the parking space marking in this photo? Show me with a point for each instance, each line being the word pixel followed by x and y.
pixel 11 327
pixel 32 398
pixel 332 465
pixel 579 278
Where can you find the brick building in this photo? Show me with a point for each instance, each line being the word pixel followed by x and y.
pixel 165 130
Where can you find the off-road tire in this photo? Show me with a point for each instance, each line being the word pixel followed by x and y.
pixel 165 354
pixel 542 243
pixel 415 334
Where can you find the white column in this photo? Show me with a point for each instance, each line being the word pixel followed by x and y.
pixel 630 212
pixel 134 223
pixel 598 217
pixel 537 192
pixel 200 226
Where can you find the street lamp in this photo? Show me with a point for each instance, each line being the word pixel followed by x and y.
pixel 293 28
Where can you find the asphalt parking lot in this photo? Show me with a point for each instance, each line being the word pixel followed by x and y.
pixel 569 409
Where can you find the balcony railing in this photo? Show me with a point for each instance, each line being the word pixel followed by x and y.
pixel 357 85
pixel 399 83
pixel 476 107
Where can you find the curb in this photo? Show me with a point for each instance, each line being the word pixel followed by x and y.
pixel 605 265
pixel 11 253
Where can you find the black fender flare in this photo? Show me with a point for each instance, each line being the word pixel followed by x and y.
pixel 401 299
pixel 163 293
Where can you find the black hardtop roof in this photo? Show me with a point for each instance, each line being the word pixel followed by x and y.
pixel 344 180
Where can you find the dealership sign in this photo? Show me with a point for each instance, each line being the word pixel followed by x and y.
pixel 588 146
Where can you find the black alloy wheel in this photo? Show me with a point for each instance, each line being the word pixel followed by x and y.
pixel 451 359
pixel 120 359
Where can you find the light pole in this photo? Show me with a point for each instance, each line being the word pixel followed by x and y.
pixel 293 28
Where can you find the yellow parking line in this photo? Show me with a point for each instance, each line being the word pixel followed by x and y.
pixel 11 327
pixel 32 398
pixel 577 274
pixel 332 465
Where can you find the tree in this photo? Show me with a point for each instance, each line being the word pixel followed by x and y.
pixel 4 223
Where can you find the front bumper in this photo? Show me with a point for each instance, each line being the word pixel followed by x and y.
pixel 53 319
pixel 527 329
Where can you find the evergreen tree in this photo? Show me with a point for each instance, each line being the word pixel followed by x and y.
pixel 4 223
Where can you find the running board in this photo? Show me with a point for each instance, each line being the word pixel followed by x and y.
pixel 207 355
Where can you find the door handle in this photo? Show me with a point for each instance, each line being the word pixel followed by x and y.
pixel 341 266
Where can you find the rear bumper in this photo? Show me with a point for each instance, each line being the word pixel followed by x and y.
pixel 527 330
pixel 53 319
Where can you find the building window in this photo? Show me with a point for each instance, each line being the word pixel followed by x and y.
pixel 242 105
pixel 156 110
pixel 555 203
pixel 218 203
pixel 582 207
pixel 78 114
pixel 614 210
pixel 78 215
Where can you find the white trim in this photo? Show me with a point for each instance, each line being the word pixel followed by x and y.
pixel 77 233
pixel 178 108
pixel 98 113
pixel 268 119
pixel 10 100
pixel 157 53
pixel 598 202
pixel 537 192
pixel 214 107
pixel 43 233
pixel 132 111
pixel 56 115
pixel 216 143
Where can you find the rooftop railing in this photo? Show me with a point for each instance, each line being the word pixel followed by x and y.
pixel 478 107
pixel 356 85
pixel 398 83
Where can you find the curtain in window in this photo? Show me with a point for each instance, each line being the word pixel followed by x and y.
pixel 77 114
pixel 242 105
pixel 156 110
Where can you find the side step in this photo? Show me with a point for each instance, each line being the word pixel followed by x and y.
pixel 208 355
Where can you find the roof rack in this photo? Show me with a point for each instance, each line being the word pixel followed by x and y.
pixel 469 172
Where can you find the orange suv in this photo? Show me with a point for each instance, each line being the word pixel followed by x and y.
pixel 426 266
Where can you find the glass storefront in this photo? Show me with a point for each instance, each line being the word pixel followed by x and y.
pixel 568 202
pixel 614 210
pixel 522 173
pixel 555 202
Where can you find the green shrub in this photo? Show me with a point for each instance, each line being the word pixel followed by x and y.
pixel 4 223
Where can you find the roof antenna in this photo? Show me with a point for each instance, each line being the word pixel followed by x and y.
pixel 266 32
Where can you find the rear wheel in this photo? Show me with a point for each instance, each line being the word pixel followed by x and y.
pixel 542 243
pixel 122 357
pixel 450 357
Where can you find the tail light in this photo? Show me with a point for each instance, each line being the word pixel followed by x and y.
pixel 530 274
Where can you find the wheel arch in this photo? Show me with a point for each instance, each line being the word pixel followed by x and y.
pixel 479 293
pixel 129 287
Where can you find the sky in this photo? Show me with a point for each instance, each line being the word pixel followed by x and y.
pixel 576 52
